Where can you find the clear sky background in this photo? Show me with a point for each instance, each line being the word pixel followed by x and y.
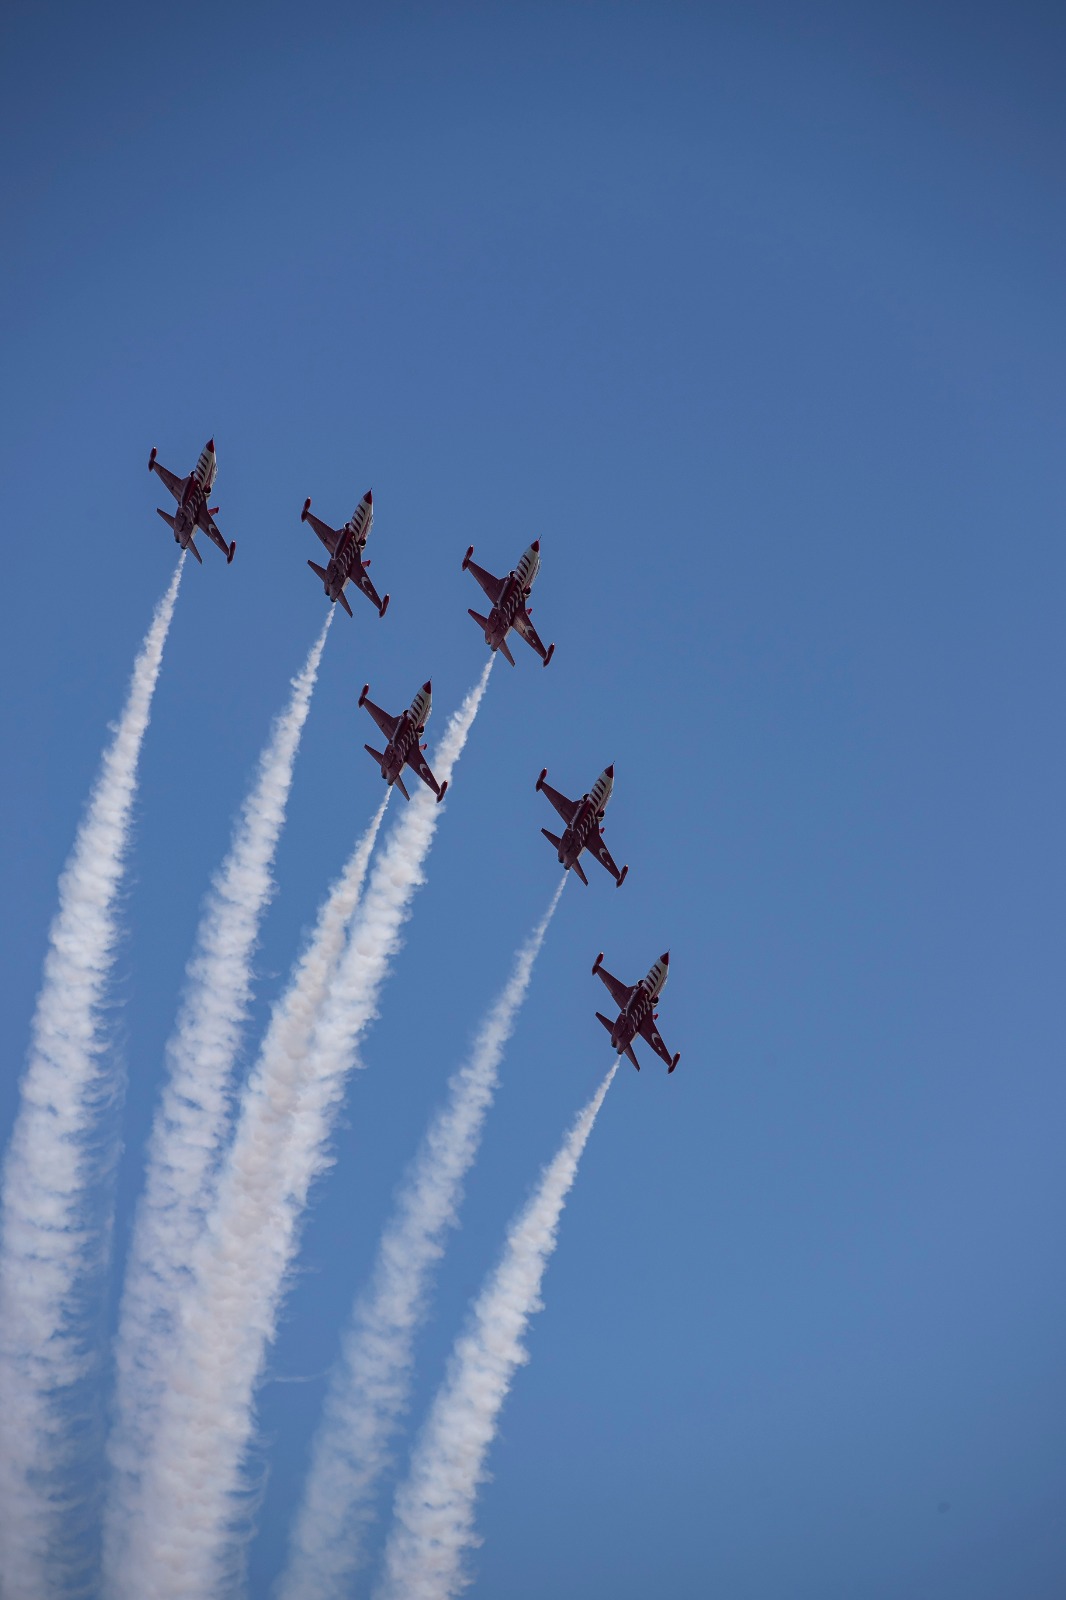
pixel 754 315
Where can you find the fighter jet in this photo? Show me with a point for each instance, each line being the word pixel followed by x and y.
pixel 403 733
pixel 583 818
pixel 509 609
pixel 346 546
pixel 191 494
pixel 637 1015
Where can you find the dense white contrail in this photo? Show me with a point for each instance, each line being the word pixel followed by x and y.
pixel 370 1388
pixel 434 1511
pixel 192 1121
pixel 187 1542
pixel 55 1213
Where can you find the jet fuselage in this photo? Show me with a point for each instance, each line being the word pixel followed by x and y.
pixel 518 586
pixel 350 548
pixel 194 492
pixel 583 828
pixel 641 1004
pixel 412 727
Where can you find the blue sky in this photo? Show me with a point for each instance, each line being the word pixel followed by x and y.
pixel 755 319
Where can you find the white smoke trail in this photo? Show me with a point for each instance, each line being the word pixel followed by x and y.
pixel 193 1119
pixel 55 1223
pixel 186 1543
pixel 370 1387
pixel 434 1511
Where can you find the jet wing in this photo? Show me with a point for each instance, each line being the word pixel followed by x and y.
pixel 361 578
pixel 327 534
pixel 387 724
pixel 493 587
pixel 567 809
pixel 596 847
pixel 529 633
pixel 206 522
pixel 619 992
pixel 418 763
pixel 174 484
pixel 650 1032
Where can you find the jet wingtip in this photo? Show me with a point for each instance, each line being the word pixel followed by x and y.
pixel 596 964
pixel 540 780
pixel 151 459
pixel 384 606
pixel 622 876
pixel 365 691
pixel 550 653
pixel 306 509
pixel 466 558
pixel 231 552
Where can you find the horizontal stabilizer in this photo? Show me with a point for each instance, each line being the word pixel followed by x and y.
pixel 378 757
pixel 167 518
pixel 552 838
pixel 579 869
pixel 632 1057
pixel 343 598
pixel 505 650
pixel 403 788
pixel 317 570
pixel 191 547
pixel 608 1025
pixel 481 621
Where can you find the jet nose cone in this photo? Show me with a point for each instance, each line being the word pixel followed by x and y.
pixel 211 446
pixel 535 545
pixel 609 771
pixel 428 687
pixel 369 497
pixel 665 958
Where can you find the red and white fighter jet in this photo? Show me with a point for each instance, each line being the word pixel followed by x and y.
pixel 583 820
pixel 403 733
pixel 638 1014
pixel 346 546
pixel 509 609
pixel 191 494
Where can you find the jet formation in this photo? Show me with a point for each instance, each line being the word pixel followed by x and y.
pixel 508 597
